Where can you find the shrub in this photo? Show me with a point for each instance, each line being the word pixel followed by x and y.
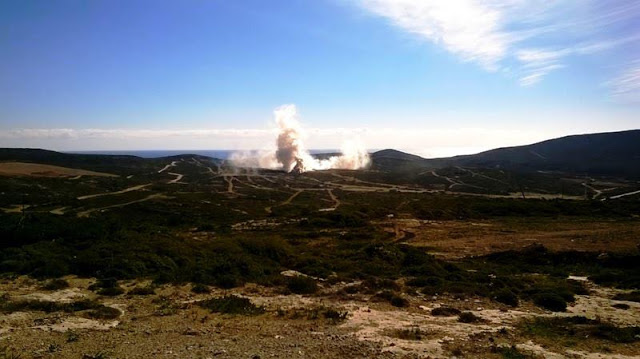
pixel 631 296
pixel 550 301
pixel 468 317
pixel 425 282
pixel 512 353
pixel 47 306
pixel 409 334
pixel 98 355
pixel 56 284
pixel 231 304
pixel 200 288
pixel 393 298
pixel 507 297
pixel 227 281
pixel 104 283
pixel 335 315
pixel 110 292
pixel 373 284
pixel 8 353
pixel 570 328
pixel 71 336
pixel 104 312
pixel 444 312
pixel 148 290
pixel 302 285
pixel 621 306
pixel 398 301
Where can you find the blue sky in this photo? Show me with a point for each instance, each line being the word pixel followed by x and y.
pixel 434 77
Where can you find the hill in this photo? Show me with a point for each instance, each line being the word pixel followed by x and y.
pixel 390 159
pixel 612 153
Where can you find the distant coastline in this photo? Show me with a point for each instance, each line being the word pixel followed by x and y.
pixel 221 154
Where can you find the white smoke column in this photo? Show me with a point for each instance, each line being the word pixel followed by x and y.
pixel 291 153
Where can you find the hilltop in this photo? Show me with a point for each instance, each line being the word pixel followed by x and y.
pixel 611 153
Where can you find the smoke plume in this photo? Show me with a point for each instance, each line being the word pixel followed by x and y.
pixel 290 153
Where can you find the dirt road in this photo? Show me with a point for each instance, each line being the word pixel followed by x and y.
pixel 134 188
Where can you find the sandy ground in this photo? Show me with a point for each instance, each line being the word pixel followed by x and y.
pixel 39 170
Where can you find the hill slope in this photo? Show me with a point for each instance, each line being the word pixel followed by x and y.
pixel 612 153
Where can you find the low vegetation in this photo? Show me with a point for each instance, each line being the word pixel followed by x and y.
pixel 468 317
pixel 577 331
pixel 329 314
pixel 302 285
pixel 55 284
pixel 146 290
pixel 445 312
pixel 93 308
pixel 631 296
pixel 231 304
pixel 409 334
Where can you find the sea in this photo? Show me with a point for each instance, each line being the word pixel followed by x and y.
pixel 221 154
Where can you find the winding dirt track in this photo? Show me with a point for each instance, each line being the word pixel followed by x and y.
pixel 625 194
pixel 286 202
pixel 229 180
pixel 597 191
pixel 134 188
pixel 89 211
pixel 293 196
pixel 177 179
pixel 172 164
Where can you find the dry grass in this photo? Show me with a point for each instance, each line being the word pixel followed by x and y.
pixel 458 239
pixel 40 170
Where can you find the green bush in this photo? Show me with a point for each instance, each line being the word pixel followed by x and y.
pixel 468 317
pixel 147 290
pixel 578 327
pixel 631 296
pixel 227 281
pixel 335 315
pixel 505 296
pixel 104 312
pixel 231 304
pixel 550 301
pixel 111 291
pixel 444 312
pixel 55 284
pixel 393 299
pixel 512 353
pixel 409 334
pixel 302 285
pixel 200 288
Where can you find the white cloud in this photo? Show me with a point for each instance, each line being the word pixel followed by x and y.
pixel 626 87
pixel 537 35
pixel 468 28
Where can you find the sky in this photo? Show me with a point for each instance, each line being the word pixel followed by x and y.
pixel 432 77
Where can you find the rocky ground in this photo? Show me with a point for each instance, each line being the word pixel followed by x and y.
pixel 171 324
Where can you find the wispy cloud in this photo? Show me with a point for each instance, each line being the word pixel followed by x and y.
pixel 532 37
pixel 626 87
pixel 470 29
pixel 67 133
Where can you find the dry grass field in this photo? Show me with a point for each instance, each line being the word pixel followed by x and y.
pixel 40 170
